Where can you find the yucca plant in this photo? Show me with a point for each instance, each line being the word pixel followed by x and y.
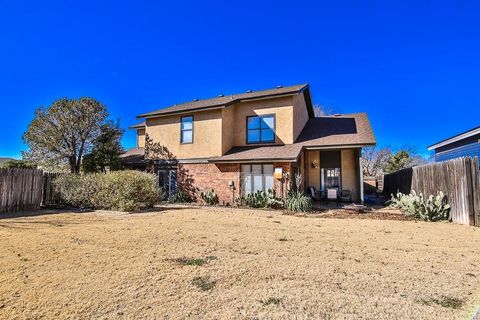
pixel 298 201
pixel 180 197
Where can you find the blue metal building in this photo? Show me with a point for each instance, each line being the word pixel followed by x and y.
pixel 466 144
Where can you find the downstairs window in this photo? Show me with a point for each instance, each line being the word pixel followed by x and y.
pixel 256 177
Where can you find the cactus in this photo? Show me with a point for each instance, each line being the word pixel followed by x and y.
pixel 210 197
pixel 432 208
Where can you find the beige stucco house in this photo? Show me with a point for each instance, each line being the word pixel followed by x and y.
pixel 240 143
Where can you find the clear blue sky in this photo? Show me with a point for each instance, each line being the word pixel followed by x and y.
pixel 414 66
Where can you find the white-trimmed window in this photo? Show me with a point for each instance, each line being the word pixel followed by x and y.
pixel 256 177
pixel 186 129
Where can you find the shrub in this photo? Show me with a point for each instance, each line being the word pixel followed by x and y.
pixel 210 197
pixel 297 201
pixel 262 199
pixel 118 190
pixel 433 208
pixel 180 197
pixel 77 190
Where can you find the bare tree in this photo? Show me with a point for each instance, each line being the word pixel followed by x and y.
pixel 379 161
pixel 374 160
pixel 322 111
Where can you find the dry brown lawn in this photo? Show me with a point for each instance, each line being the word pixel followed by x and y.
pixel 204 263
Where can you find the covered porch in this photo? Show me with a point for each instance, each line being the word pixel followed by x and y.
pixel 332 176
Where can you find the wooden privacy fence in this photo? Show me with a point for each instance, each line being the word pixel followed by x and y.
pixel 20 189
pixel 459 179
pixel 50 197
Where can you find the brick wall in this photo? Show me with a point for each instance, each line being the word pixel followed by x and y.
pixel 282 186
pixel 197 177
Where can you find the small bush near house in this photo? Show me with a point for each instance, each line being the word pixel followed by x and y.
pixel 180 197
pixel 117 190
pixel 298 201
pixel 433 208
pixel 210 197
pixel 262 199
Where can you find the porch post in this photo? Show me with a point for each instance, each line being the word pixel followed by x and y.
pixel 360 172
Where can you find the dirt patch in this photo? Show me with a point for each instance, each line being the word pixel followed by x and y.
pixel 372 215
pixel 222 263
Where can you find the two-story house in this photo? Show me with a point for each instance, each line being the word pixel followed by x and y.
pixel 241 143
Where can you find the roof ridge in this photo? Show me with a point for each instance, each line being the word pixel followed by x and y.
pixel 225 99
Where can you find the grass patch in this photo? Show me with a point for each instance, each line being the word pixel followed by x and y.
pixel 184 261
pixel 446 302
pixel 271 300
pixel 204 283
pixel 190 261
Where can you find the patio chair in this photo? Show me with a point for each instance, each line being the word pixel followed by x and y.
pixel 311 192
pixel 332 194
pixel 346 196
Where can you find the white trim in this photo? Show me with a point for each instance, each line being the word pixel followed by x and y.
pixel 360 172
pixel 455 139
pixel 337 147
pixel 258 161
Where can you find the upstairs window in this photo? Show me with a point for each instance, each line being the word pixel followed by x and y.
pixel 261 129
pixel 186 129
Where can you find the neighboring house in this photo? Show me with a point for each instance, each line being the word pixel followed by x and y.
pixel 237 144
pixel 466 144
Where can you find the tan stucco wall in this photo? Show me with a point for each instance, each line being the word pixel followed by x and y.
pixel 228 124
pixel 349 172
pixel 141 138
pixel 217 131
pixel 300 113
pixel 313 174
pixel 281 107
pixel 207 134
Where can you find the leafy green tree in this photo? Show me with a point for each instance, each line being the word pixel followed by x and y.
pixel 398 161
pixel 19 164
pixel 106 149
pixel 64 132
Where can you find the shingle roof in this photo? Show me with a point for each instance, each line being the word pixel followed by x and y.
pixel 288 152
pixel 222 101
pixel 138 125
pixel 333 131
pixel 340 130
pixel 133 155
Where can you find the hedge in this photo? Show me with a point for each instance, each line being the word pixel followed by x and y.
pixel 118 190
